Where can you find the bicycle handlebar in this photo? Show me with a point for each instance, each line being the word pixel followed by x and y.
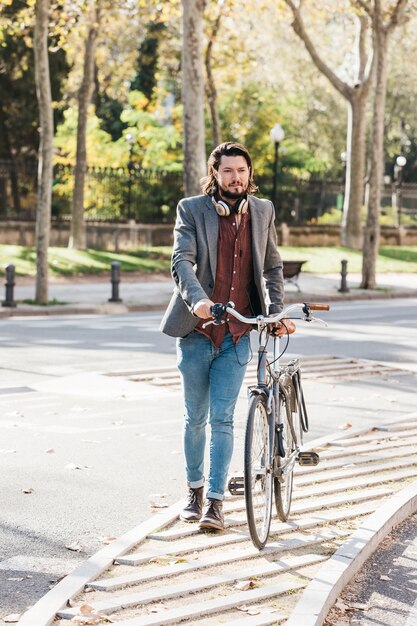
pixel 218 310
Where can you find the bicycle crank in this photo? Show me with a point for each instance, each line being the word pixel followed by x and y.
pixel 308 458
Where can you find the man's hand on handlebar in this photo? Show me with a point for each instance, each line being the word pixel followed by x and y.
pixel 202 309
pixel 285 327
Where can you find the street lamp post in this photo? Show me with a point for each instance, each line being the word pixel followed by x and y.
pixel 131 140
pixel 400 162
pixel 277 134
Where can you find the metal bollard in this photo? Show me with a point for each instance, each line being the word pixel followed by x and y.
pixel 9 301
pixel 115 281
pixel 343 285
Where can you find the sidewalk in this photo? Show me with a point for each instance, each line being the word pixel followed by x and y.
pixel 141 293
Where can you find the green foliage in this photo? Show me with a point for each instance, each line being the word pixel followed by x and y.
pixel 18 104
pixel 148 61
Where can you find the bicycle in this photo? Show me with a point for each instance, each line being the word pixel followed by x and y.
pixel 277 418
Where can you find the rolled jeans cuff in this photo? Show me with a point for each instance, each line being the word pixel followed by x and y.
pixel 212 495
pixel 196 484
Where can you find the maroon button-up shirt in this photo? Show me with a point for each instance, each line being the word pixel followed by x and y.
pixel 234 277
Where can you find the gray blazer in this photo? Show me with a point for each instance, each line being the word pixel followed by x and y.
pixel 194 261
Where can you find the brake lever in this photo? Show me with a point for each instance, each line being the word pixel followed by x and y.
pixel 316 320
pixel 213 322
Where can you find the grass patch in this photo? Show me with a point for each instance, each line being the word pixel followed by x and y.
pixel 53 302
pixel 66 262
pixel 326 260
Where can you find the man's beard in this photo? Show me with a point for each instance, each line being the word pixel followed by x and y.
pixel 232 195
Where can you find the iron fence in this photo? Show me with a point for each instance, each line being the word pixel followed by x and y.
pixel 151 196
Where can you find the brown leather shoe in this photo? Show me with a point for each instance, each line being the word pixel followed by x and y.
pixel 194 507
pixel 213 515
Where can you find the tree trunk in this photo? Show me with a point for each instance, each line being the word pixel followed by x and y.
pixel 351 233
pixel 78 236
pixel 43 93
pixel 211 90
pixel 356 96
pixel 372 229
pixel 193 95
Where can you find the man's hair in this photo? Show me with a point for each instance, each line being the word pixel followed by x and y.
pixel 229 148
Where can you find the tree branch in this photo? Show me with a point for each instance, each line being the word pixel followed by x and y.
pixel 398 16
pixel 298 26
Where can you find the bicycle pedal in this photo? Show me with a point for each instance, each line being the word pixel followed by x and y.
pixel 308 458
pixel 236 486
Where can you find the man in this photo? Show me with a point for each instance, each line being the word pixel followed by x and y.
pixel 225 249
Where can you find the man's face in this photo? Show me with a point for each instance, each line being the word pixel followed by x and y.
pixel 232 177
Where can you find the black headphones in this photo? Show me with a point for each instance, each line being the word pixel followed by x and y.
pixel 224 209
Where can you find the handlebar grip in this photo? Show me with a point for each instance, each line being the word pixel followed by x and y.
pixel 318 307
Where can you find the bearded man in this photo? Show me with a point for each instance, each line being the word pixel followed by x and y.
pixel 225 249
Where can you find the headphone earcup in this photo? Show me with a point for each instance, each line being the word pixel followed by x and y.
pixel 242 207
pixel 221 208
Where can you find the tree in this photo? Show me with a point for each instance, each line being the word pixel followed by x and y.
pixel 211 91
pixel 384 21
pixel 193 95
pixel 44 97
pixel 356 95
pixel 78 237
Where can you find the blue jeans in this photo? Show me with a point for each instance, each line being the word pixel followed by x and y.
pixel 212 378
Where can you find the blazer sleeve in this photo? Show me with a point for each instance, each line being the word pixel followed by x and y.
pixel 273 269
pixel 184 257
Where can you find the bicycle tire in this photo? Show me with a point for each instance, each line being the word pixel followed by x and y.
pixel 283 480
pixel 258 470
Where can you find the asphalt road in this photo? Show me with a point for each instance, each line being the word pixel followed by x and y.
pixel 93 452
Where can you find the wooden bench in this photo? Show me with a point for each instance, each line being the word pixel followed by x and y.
pixel 292 270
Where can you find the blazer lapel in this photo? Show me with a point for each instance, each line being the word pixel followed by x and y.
pixel 211 221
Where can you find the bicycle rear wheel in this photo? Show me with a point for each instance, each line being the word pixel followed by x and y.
pixel 258 471
pixel 284 466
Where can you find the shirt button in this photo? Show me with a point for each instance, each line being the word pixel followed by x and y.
pixel 233 224
pixel 232 288
pixel 235 254
pixel 234 271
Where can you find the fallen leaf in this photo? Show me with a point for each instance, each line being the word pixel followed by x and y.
pixel 244 585
pixel 242 607
pixel 106 540
pixel 50 451
pixel 18 580
pixel 28 490
pixel 383 577
pixel 158 505
pixel 341 606
pixel 75 547
pixel 12 618
pixel 345 426
pixel 87 609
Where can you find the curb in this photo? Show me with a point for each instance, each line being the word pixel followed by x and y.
pixel 120 308
pixel 44 611
pixel 323 591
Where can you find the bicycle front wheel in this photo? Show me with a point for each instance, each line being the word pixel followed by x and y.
pixel 283 472
pixel 258 471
